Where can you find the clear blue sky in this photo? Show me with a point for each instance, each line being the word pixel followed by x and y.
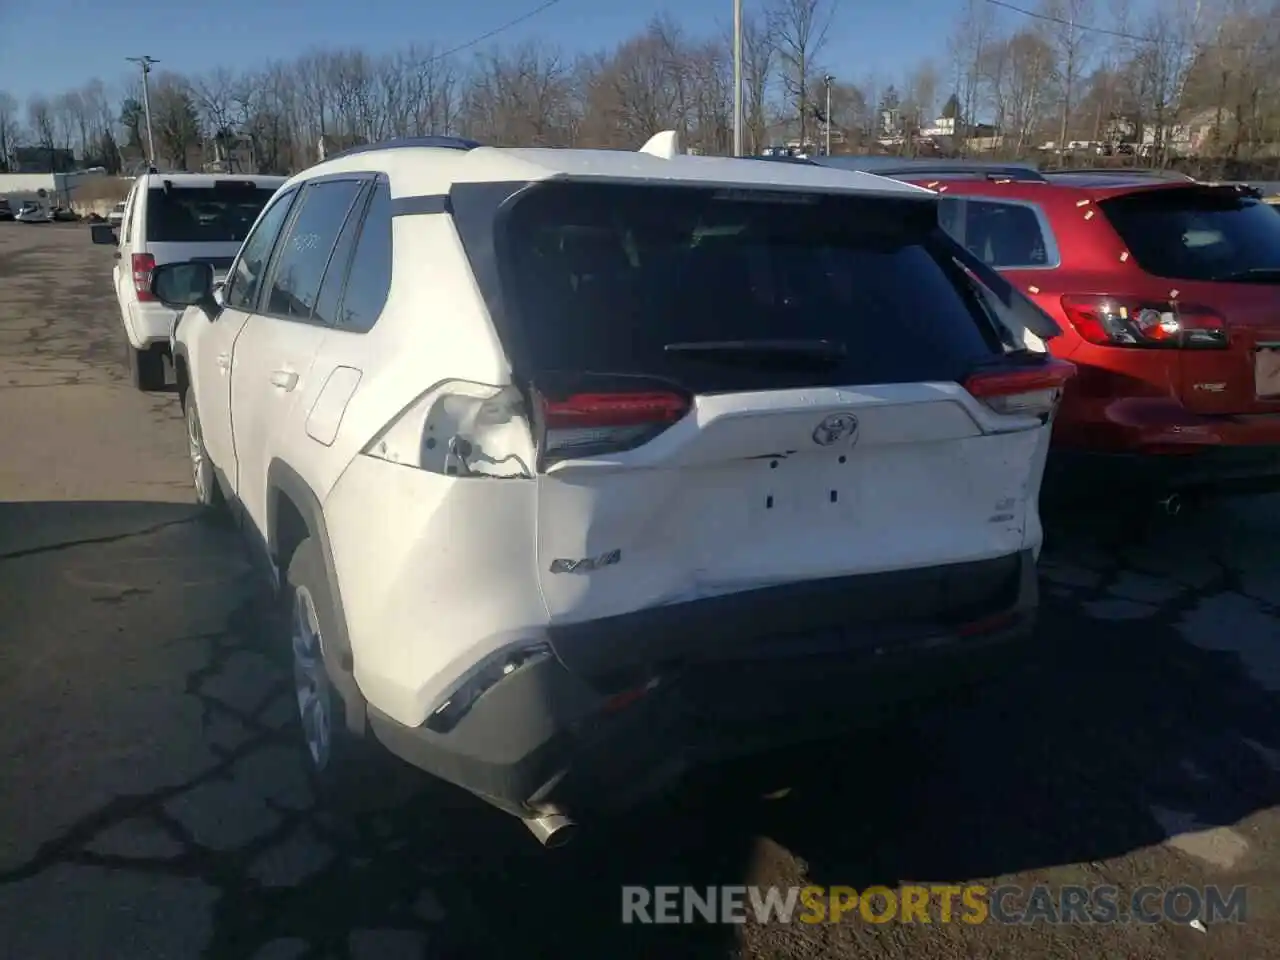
pixel 53 45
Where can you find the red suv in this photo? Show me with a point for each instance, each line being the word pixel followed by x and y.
pixel 1168 294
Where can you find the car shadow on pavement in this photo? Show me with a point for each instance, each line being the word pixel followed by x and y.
pixel 1140 716
pixel 1153 712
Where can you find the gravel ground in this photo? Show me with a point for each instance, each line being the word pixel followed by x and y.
pixel 153 805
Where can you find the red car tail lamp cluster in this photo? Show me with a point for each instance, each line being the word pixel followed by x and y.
pixel 1116 322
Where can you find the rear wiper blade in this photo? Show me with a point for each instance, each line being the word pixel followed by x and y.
pixel 1253 274
pixel 817 349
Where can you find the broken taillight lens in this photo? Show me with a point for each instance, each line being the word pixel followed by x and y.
pixel 1122 322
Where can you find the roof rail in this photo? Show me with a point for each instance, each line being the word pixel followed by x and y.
pixel 399 143
pixel 899 167
pixel 1139 172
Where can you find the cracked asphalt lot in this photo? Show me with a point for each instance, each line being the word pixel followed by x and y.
pixel 153 805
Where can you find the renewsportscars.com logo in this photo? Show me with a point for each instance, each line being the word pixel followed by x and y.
pixel 971 904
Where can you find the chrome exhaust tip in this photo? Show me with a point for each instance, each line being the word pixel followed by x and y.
pixel 552 830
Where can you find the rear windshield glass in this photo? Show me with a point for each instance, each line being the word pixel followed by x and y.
pixel 220 214
pixel 1196 234
pixel 603 277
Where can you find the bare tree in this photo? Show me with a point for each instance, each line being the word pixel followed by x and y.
pixel 1020 72
pixel 759 66
pixel 967 45
pixel 521 96
pixel 1070 36
pixel 9 129
pixel 175 119
pixel 40 119
pixel 636 91
pixel 214 98
pixel 800 29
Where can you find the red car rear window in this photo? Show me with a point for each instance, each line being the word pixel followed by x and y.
pixel 1198 233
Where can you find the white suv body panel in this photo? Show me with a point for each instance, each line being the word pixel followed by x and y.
pixel 459 568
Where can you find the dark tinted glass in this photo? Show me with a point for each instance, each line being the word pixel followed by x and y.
pixel 1191 234
pixel 369 280
pixel 1003 234
pixel 603 277
pixel 335 275
pixel 303 253
pixel 246 277
pixel 218 214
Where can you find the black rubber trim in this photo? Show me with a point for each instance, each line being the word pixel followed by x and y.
pixel 832 616
pixel 414 206
pixel 283 479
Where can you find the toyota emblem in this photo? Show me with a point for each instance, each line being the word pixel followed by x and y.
pixel 837 427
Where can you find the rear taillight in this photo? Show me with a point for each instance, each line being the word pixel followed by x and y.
pixel 464 429
pixel 590 424
pixel 1032 391
pixel 1120 322
pixel 143 264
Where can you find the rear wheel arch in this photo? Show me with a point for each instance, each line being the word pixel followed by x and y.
pixel 294 514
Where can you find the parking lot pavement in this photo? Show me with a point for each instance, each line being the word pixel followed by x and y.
pixel 153 805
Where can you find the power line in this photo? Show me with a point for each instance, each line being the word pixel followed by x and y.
pixel 1068 23
pixel 1120 34
pixel 476 41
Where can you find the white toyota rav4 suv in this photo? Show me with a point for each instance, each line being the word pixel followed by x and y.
pixel 170 217
pixel 584 467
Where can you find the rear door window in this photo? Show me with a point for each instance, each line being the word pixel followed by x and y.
pixel 245 280
pixel 1003 235
pixel 1197 233
pixel 303 253
pixel 222 213
pixel 604 277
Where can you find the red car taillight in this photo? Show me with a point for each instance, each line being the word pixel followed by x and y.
pixel 1030 391
pixel 590 424
pixel 1117 322
pixel 143 264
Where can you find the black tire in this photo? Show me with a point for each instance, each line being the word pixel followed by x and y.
pixel 203 476
pixel 344 773
pixel 146 369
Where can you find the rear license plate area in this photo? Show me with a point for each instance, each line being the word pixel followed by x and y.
pixel 1266 371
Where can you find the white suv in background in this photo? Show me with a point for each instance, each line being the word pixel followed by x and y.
pixel 167 218
pixel 583 467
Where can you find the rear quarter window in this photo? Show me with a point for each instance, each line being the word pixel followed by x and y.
pixel 603 277
pixel 1003 235
pixel 1196 233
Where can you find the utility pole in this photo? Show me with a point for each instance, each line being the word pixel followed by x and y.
pixel 828 80
pixel 145 63
pixel 737 79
